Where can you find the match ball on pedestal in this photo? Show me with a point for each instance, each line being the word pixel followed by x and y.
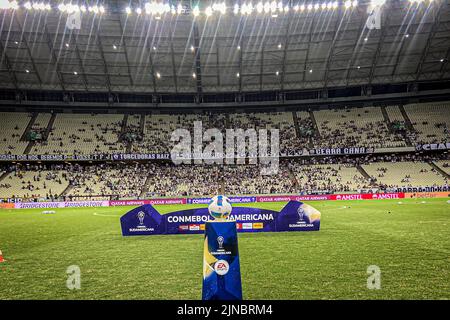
pixel 220 208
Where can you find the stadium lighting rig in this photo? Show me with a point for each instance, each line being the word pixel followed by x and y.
pixel 162 7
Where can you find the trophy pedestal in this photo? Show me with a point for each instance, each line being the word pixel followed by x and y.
pixel 221 269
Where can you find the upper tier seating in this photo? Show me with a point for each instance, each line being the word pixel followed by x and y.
pixel 41 121
pixel 444 165
pixel 355 127
pixel 431 121
pixel 158 129
pixel 12 127
pixel 283 121
pixel 83 134
pixel 394 113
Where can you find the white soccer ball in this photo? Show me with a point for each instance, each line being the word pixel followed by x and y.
pixel 219 207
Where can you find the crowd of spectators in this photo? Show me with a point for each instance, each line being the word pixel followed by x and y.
pixel 151 133
pixel 165 179
pixel 33 181
pixel 95 134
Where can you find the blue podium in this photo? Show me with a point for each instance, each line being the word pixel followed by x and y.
pixel 221 270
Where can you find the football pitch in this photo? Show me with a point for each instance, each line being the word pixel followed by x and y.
pixel 409 242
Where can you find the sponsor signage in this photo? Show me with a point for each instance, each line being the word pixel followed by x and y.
pixel 338 151
pixel 221 268
pixel 427 195
pixel 54 157
pixel 88 157
pixel 126 203
pixel 235 200
pixel 367 196
pixel 423 189
pixel 247 225
pixel 191 220
pixel 150 201
pixel 433 146
pixel 140 156
pixel 232 200
pixel 72 204
pixel 282 198
pixel 167 156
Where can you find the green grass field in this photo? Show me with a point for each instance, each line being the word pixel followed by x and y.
pixel 411 245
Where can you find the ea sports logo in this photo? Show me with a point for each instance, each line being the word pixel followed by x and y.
pixel 221 267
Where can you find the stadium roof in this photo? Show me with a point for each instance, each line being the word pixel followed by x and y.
pixel 289 49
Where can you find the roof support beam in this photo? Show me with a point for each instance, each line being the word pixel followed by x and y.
pixel 355 47
pixel 261 69
pixel 240 69
pixel 337 27
pixel 437 17
pixel 122 40
pixel 4 57
pixel 245 38
pixel 24 40
pixel 100 48
pixel 384 28
pixel 444 64
pixel 172 55
pixel 54 58
pixel 305 64
pixel 149 46
pixel 399 55
pixel 198 68
pixel 217 64
pixel 77 52
pixel 152 68
pixel 285 49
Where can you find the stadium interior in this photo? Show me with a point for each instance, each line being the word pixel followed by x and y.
pixel 108 111
pixel 85 98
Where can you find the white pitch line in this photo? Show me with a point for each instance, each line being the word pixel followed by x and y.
pixel 104 215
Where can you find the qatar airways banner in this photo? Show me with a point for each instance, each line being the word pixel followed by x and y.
pixel 150 201
pixel 232 200
pixel 293 198
pixel 146 220
pixel 68 204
